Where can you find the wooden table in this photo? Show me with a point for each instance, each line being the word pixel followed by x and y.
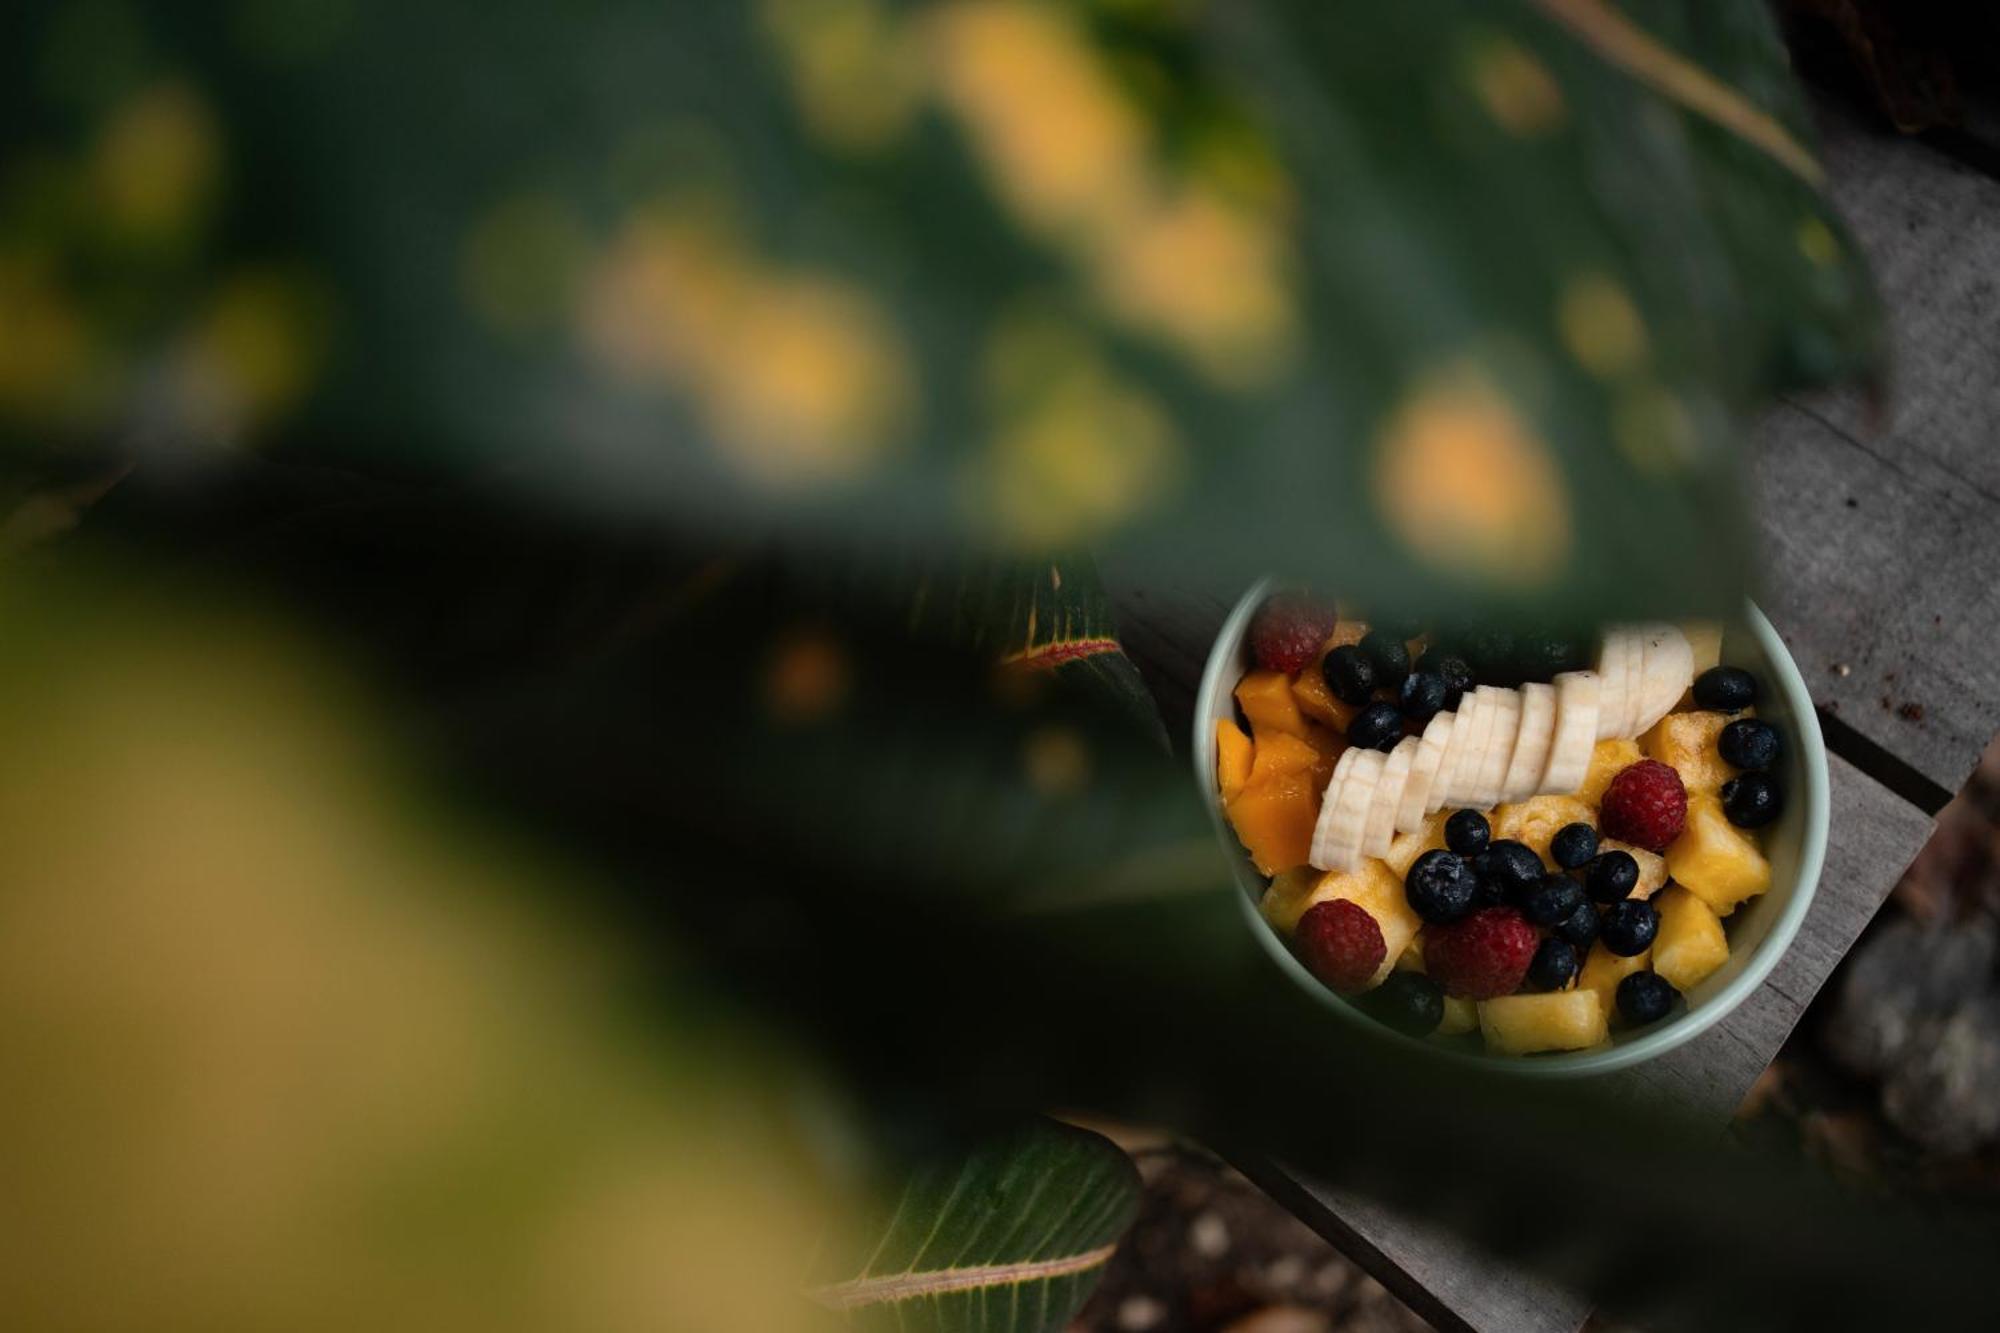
pixel 1882 545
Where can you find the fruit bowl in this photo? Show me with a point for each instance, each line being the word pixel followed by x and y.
pixel 1759 931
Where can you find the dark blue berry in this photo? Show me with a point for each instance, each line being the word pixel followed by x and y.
pixel 1348 674
pixel 1440 887
pixel 1579 927
pixel 1551 899
pixel 1490 895
pixel 1573 845
pixel 1611 877
pixel 1646 997
pixel 1494 655
pixel 1467 832
pixel 1422 697
pixel 1450 667
pixel 1409 1002
pixel 1390 656
pixel 1554 965
pixel 1629 927
pixel 1376 727
pixel 1749 742
pixel 1752 800
pixel 1512 866
pixel 1726 689
pixel 1545 656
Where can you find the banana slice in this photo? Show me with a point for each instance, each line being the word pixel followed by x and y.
pixel 1500 738
pixel 1424 769
pixel 1531 749
pixel 1344 813
pixel 1612 658
pixel 1465 743
pixel 1665 675
pixel 1380 829
pixel 1635 680
pixel 1576 731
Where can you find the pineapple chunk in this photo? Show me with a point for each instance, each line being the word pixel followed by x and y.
pixel 1705 637
pixel 1460 1015
pixel 1266 699
pixel 1610 758
pixel 1412 957
pixel 1407 847
pixel 1371 887
pixel 1537 820
pixel 1566 1020
pixel 1314 699
pixel 1690 944
pixel 1718 862
pixel 1288 897
pixel 1685 742
pixel 1652 866
pixel 1603 970
pixel 1232 758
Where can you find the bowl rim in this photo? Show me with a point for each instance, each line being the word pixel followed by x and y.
pixel 1223 659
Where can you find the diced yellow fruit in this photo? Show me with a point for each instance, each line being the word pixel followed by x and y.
pixel 1316 701
pixel 1407 847
pixel 1370 886
pixel 1278 754
pixel 1460 1015
pixel 1232 758
pixel 1537 820
pixel 1566 1020
pixel 1274 819
pixel 1603 970
pixel 1412 957
pixel 1345 631
pixel 1266 699
pixel 1288 897
pixel 1705 637
pixel 1652 866
pixel 1607 761
pixel 1690 944
pixel 1685 742
pixel 1718 862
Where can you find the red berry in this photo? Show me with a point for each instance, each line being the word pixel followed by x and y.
pixel 1340 943
pixel 1288 630
pixel 1485 955
pixel 1645 805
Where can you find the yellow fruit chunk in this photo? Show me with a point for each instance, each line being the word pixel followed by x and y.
pixel 1407 847
pixel 1266 699
pixel 1288 897
pixel 1232 758
pixel 1717 862
pixel 1370 886
pixel 1344 632
pixel 1603 970
pixel 1309 691
pixel 1705 637
pixel 1274 818
pixel 1685 742
pixel 1280 754
pixel 1537 820
pixel 1460 1015
pixel 1412 957
pixel 1652 866
pixel 1566 1020
pixel 1690 944
pixel 1607 761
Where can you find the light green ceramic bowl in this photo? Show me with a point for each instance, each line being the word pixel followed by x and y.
pixel 1759 931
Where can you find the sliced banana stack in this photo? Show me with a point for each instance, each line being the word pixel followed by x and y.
pixel 1504 708
pixel 1532 746
pixel 1343 811
pixel 1380 829
pixel 1424 770
pixel 1576 727
pixel 1667 671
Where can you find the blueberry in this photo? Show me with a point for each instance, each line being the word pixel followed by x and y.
pixel 1376 727
pixel 1752 800
pixel 1451 667
pixel 1493 654
pixel 1554 965
pixel 1573 845
pixel 1390 657
pixel 1725 689
pixel 1409 1002
pixel 1611 877
pixel 1422 697
pixel 1750 743
pixel 1349 674
pixel 1646 997
pixel 1512 866
pixel 1546 656
pixel 1629 927
pixel 1467 832
pixel 1579 927
pixel 1552 898
pixel 1440 887
pixel 1490 895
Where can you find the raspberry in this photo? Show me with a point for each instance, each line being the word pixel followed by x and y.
pixel 1645 805
pixel 1485 955
pixel 1288 630
pixel 1340 944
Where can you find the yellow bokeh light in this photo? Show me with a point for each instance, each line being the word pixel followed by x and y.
pixel 855 68
pixel 1516 89
pixel 1600 326
pixel 157 164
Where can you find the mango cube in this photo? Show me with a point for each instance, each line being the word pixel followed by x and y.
pixel 1232 758
pixel 1690 944
pixel 1607 761
pixel 1274 818
pixel 1460 1015
pixel 1718 862
pixel 1266 699
pixel 1603 970
pixel 1567 1020
pixel 1407 847
pixel 1316 701
pixel 1685 742
pixel 1652 866
pixel 1537 820
pixel 1278 754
